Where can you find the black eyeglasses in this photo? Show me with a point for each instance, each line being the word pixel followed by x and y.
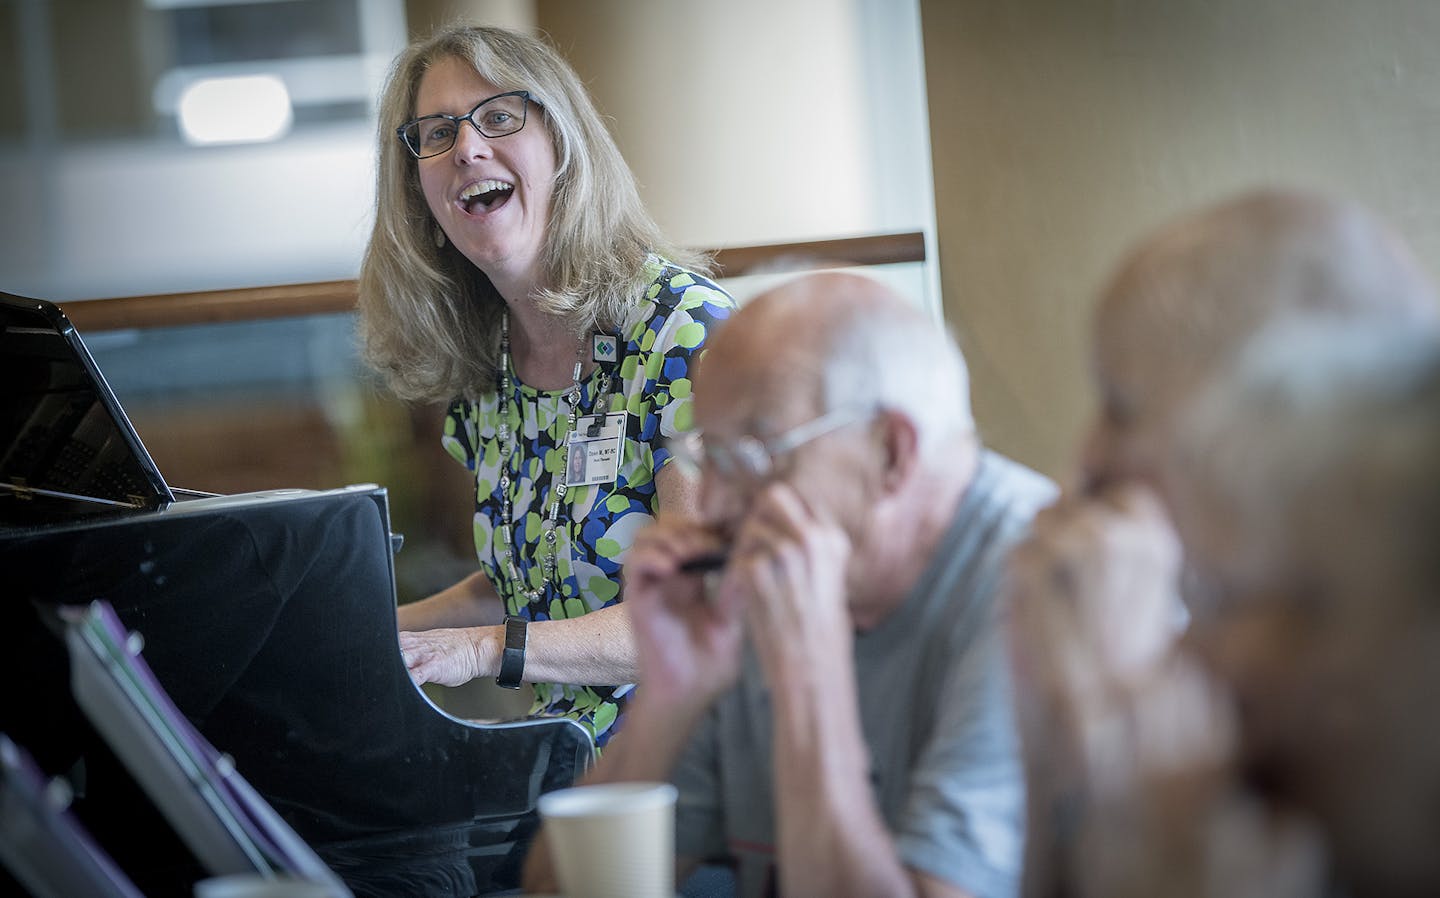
pixel 431 135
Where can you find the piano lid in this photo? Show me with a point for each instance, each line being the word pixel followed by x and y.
pixel 65 444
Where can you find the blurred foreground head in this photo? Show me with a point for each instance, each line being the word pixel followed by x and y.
pixel 1306 489
pixel 1187 298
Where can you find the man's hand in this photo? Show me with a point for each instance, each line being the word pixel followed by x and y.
pixel 789 566
pixel 1129 736
pixel 451 657
pixel 1091 607
pixel 1099 574
pixel 687 634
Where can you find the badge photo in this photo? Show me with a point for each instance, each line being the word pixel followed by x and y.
pixel 595 449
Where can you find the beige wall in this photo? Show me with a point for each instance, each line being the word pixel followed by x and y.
pixel 1062 129
pixel 422 16
pixel 741 119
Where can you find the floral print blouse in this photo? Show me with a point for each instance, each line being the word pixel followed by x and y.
pixel 596 523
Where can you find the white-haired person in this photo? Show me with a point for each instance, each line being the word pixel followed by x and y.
pixel 514 272
pixel 1307 494
pixel 1284 748
pixel 833 704
pixel 1095 588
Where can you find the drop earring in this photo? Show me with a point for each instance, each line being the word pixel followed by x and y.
pixel 439 237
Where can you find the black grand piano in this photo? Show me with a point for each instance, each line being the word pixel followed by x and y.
pixel 269 619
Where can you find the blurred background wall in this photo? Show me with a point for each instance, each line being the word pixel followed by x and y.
pixel 1062 129
pixel 746 122
pixel 105 196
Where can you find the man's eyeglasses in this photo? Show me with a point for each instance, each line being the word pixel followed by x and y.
pixel 754 459
pixel 431 135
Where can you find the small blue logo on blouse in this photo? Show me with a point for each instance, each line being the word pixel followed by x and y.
pixel 603 348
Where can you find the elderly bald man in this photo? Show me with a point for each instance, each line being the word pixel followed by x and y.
pixel 1095 586
pixel 1318 554
pixel 835 713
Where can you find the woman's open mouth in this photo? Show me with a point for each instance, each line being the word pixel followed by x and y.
pixel 485 196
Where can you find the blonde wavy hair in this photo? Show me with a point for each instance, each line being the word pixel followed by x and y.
pixel 429 319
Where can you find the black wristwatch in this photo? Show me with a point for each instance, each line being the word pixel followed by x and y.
pixel 512 660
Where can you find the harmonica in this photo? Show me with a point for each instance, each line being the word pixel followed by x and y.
pixel 702 564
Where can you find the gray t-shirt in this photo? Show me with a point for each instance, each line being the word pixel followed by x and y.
pixel 935 708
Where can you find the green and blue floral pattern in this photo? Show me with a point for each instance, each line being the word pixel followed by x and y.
pixel 597 524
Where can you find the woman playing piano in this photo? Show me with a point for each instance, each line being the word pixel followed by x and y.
pixel 513 266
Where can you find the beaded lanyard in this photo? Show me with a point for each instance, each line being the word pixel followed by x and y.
pixel 509 449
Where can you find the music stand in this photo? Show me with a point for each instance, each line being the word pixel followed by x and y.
pixel 224 821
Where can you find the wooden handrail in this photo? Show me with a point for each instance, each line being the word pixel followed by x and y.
pixel 879 249
pixel 211 306
pixel 251 303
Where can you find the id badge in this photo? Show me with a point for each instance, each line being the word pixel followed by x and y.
pixel 593 454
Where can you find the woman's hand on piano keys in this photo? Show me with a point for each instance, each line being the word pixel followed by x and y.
pixel 451 657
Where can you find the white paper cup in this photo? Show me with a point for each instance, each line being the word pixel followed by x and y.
pixel 612 840
pixel 253 885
